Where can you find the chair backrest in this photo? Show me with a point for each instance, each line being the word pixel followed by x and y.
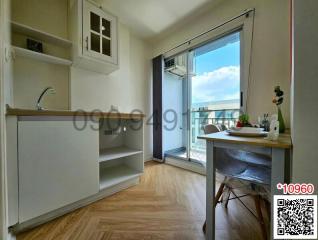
pixel 222 127
pixel 233 163
pixel 211 128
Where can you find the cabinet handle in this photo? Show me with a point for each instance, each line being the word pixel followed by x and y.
pixel 86 40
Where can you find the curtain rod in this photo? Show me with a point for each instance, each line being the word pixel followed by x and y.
pixel 247 11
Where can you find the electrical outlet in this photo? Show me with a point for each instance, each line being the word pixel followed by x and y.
pixel 112 132
pixel 108 132
pixel 113 108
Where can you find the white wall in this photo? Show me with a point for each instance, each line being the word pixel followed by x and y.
pixel 8 70
pixel 304 92
pixel 271 51
pixel 30 77
pixel 6 97
pixel 128 88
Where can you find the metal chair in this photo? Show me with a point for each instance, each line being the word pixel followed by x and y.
pixel 252 169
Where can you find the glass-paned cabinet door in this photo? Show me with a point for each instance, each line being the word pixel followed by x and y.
pixel 99 33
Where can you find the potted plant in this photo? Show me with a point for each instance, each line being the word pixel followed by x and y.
pixel 243 121
pixel 278 100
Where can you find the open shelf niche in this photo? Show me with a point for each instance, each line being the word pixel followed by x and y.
pixel 23 52
pixel 108 154
pixel 121 151
pixel 40 35
pixel 21 32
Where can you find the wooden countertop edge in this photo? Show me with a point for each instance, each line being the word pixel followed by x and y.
pixel 249 141
pixel 109 115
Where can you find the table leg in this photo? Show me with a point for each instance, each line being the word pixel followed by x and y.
pixel 278 176
pixel 210 191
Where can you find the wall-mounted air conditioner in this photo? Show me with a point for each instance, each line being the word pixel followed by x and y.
pixel 176 66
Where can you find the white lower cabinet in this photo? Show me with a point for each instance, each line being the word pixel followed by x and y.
pixel 58 165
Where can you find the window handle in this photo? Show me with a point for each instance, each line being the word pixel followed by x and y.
pixel 241 99
pixel 86 40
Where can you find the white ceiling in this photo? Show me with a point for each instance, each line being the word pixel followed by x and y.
pixel 149 18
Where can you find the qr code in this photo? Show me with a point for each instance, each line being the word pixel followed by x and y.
pixel 295 217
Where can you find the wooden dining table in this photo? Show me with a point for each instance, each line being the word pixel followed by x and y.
pixel 279 150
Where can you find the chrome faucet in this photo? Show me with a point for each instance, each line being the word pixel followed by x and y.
pixel 49 90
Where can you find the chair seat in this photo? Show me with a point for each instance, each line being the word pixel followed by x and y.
pixel 258 175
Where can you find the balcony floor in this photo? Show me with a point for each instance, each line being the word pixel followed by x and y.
pixel 196 155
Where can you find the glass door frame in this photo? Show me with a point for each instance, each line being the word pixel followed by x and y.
pixel 189 95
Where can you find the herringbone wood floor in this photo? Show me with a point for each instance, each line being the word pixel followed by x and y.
pixel 169 203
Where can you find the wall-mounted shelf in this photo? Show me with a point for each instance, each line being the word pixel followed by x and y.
pixel 116 152
pixel 39 35
pixel 40 56
pixel 114 175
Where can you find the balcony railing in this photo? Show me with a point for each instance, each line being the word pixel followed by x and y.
pixel 228 122
pixel 200 118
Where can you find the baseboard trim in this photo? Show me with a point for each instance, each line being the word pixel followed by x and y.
pixel 11 236
pixel 148 160
pixel 148 157
pixel 194 167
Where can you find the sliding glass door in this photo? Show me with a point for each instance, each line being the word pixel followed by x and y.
pixel 215 88
pixel 205 84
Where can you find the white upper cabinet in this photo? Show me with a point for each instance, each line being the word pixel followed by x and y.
pixel 94 35
pixel 100 34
